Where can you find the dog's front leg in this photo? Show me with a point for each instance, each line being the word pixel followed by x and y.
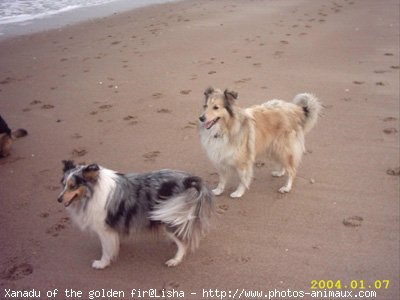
pixel 110 247
pixel 245 175
pixel 223 177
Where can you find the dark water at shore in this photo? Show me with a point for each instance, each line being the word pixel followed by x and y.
pixel 19 18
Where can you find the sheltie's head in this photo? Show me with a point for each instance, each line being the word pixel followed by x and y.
pixel 218 107
pixel 78 182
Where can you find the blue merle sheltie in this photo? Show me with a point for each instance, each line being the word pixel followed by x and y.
pixel 113 204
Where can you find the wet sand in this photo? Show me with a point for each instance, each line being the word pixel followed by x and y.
pixel 125 91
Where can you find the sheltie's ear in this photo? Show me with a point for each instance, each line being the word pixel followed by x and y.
pixel 68 165
pixel 208 92
pixel 229 99
pixel 230 95
pixel 91 172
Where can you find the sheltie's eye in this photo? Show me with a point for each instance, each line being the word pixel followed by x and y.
pixel 72 186
pixel 205 106
pixel 215 107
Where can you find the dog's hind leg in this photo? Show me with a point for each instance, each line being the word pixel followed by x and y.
pixel 291 160
pixel 110 247
pixel 288 186
pixel 180 253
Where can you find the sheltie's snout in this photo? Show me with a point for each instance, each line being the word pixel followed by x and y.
pixel 202 118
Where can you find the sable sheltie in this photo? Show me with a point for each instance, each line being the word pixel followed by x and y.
pixel 233 137
pixel 113 204
pixel 6 137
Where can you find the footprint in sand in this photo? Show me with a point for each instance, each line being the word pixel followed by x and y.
pixel 278 54
pixel 17 272
pixel 259 164
pixel 164 111
pixel 354 221
pixel 44 215
pixel 105 106
pixel 129 118
pixel 389 119
pixel 76 136
pixel 395 67
pixel 257 64
pixel 243 259
pixel 222 208
pixel 284 42
pixel 34 102
pixel 358 82
pixel 380 83
pixel 190 125
pixel 185 92
pixel 242 80
pixel 47 106
pixel 7 80
pixel 212 72
pixel 390 130
pixel 115 42
pixel 157 95
pixel 151 156
pixel 55 229
pixel 393 172
pixel 79 152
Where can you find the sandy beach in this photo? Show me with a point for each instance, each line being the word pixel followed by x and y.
pixel 125 91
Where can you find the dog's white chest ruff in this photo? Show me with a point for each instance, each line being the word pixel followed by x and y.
pixel 217 147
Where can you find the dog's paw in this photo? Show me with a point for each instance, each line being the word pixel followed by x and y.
pixel 173 262
pixel 217 191
pixel 237 194
pixel 284 189
pixel 100 264
pixel 279 173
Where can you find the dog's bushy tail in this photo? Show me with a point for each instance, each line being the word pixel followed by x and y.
pixel 187 214
pixel 311 107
